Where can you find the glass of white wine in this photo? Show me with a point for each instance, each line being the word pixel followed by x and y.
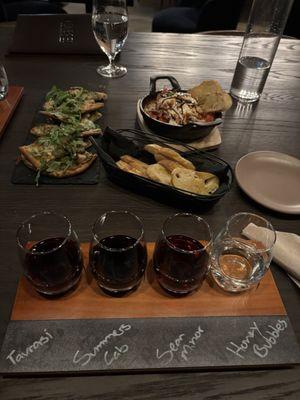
pixel 242 252
pixel 110 27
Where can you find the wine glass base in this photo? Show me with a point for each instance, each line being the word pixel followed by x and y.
pixel 112 72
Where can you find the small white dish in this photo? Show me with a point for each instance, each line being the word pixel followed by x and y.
pixel 272 179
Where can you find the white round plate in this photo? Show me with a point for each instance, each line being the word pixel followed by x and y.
pixel 272 179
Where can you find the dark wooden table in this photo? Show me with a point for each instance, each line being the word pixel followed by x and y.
pixel 274 124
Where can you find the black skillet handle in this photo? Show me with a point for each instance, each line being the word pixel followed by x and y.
pixel 171 79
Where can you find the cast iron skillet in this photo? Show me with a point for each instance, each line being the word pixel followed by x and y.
pixel 184 133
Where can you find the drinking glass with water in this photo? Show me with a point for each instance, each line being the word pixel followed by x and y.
pixel 239 263
pixel 266 23
pixel 110 27
pixel 3 83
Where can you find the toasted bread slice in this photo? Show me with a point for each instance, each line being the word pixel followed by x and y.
pixel 173 155
pixel 76 169
pixel 55 115
pixel 45 129
pixel 41 130
pixel 203 183
pixel 211 181
pixel 170 165
pixel 129 168
pixel 161 153
pixel 90 106
pixel 31 155
pixel 158 173
pixel 97 96
pixel 135 163
pixel 152 148
pixel 187 180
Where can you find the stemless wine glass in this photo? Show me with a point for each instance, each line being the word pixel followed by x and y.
pixel 3 83
pixel 240 258
pixel 118 254
pixel 182 253
pixel 110 26
pixel 50 253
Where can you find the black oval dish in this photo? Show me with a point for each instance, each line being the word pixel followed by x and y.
pixel 115 143
pixel 184 133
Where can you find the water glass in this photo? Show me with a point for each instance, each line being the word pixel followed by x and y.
pixel 110 27
pixel 266 23
pixel 50 253
pixel 118 253
pixel 3 83
pixel 182 253
pixel 239 263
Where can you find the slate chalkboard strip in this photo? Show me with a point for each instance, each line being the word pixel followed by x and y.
pixel 88 301
pixel 112 345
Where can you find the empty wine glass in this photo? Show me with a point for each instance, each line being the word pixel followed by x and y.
pixel 3 83
pixel 110 25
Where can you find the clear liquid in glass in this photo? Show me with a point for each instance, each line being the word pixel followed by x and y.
pixel 239 266
pixel 110 31
pixel 249 78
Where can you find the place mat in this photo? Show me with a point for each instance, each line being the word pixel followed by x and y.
pixel 54 34
pixel 148 301
pixel 210 142
pixel 8 106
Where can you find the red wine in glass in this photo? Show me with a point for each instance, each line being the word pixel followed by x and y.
pixel 180 263
pixel 53 265
pixel 118 263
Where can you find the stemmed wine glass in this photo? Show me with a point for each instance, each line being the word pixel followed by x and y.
pixel 110 26
pixel 3 83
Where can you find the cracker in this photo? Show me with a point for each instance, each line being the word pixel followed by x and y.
pixel 211 97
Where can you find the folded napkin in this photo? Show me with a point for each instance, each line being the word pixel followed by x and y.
pixel 286 252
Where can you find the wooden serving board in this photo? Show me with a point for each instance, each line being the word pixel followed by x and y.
pixel 8 106
pixel 148 301
pixel 88 331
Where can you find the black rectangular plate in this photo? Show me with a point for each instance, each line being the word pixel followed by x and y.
pixel 116 345
pixel 25 176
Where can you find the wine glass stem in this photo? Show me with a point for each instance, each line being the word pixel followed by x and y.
pixel 111 62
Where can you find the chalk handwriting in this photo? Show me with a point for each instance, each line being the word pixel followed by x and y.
pixel 117 353
pixel 191 345
pixel 168 355
pixel 14 357
pixel 87 357
pixel 267 340
pixel 181 344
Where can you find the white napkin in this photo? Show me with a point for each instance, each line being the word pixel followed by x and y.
pixel 286 252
